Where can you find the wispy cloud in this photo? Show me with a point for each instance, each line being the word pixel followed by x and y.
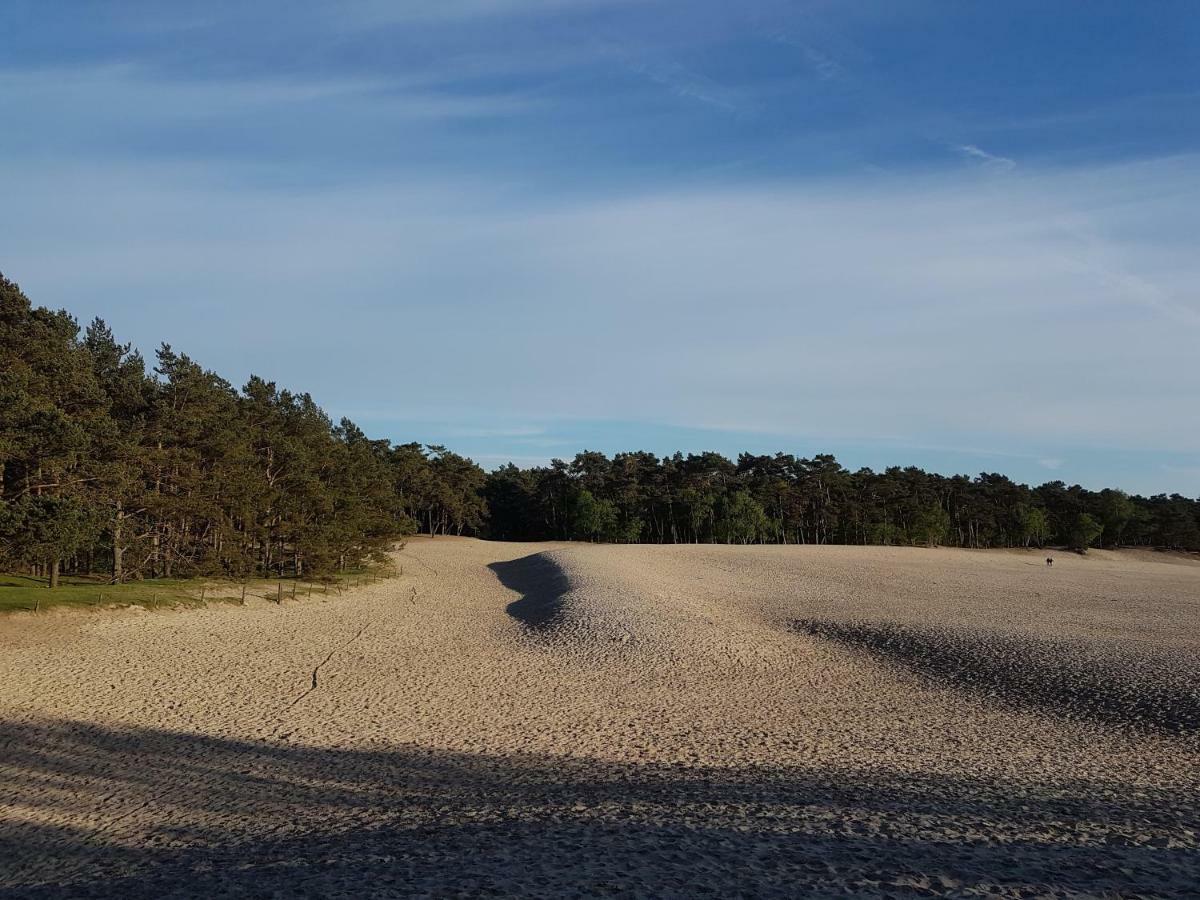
pixel 547 204
pixel 129 93
pixel 826 67
pixel 936 307
pixel 823 64
pixel 687 84
pixel 985 159
pixel 1096 259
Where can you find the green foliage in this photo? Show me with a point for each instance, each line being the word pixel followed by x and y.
pixel 1178 525
pixel 628 531
pixel 1084 532
pixel 742 520
pixel 885 534
pixel 781 498
pixel 593 519
pixel 107 468
pixel 37 529
pixel 1035 527
pixel 932 525
pixel 1115 511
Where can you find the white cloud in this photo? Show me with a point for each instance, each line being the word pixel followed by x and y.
pixel 116 97
pixel 946 310
pixel 826 67
pixel 985 159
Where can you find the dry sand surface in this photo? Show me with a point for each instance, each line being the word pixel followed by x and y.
pixel 590 720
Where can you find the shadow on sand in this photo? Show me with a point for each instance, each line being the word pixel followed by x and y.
pixel 137 812
pixel 541 583
pixel 1141 687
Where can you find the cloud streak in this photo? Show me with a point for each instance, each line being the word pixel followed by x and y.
pixel 985 159
pixel 885 310
pixel 764 219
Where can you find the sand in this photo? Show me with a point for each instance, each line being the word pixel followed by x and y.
pixel 550 720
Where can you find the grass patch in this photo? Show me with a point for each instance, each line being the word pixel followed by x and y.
pixel 26 593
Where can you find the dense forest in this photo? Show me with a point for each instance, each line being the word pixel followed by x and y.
pixel 108 467
pixel 789 500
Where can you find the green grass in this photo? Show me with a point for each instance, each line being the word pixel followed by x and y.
pixel 24 592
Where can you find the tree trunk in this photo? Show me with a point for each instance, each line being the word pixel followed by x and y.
pixel 54 574
pixel 118 567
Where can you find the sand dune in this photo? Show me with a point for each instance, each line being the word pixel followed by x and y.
pixel 675 721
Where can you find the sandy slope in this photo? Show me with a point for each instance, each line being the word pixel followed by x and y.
pixel 676 721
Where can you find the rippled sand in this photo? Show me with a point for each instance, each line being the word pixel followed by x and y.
pixel 573 719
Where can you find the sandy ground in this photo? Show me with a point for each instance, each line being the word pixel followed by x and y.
pixel 565 720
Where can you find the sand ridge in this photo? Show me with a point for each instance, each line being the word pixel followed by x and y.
pixel 550 719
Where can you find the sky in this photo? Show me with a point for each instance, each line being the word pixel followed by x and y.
pixel 960 235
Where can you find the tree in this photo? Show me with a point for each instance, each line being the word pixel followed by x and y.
pixel 514 511
pixel 117 447
pixel 1035 527
pixel 593 519
pixel 1178 522
pixel 51 409
pixel 695 499
pixel 1084 532
pixel 105 467
pixel 932 525
pixel 743 520
pixel 47 529
pixel 1116 511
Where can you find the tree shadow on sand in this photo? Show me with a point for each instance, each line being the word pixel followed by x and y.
pixel 542 584
pixel 137 812
pixel 1126 685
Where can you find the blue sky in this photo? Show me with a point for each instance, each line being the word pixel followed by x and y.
pixel 959 235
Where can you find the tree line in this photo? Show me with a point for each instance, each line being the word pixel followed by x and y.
pixel 109 467
pixel 106 467
pixel 784 499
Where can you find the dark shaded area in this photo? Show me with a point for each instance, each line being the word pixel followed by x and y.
pixel 541 583
pixel 1134 686
pixel 261 819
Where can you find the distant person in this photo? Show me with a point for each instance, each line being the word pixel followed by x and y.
pixel 1049 560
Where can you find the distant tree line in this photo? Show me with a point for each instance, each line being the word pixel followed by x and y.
pixel 108 468
pixel 783 499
